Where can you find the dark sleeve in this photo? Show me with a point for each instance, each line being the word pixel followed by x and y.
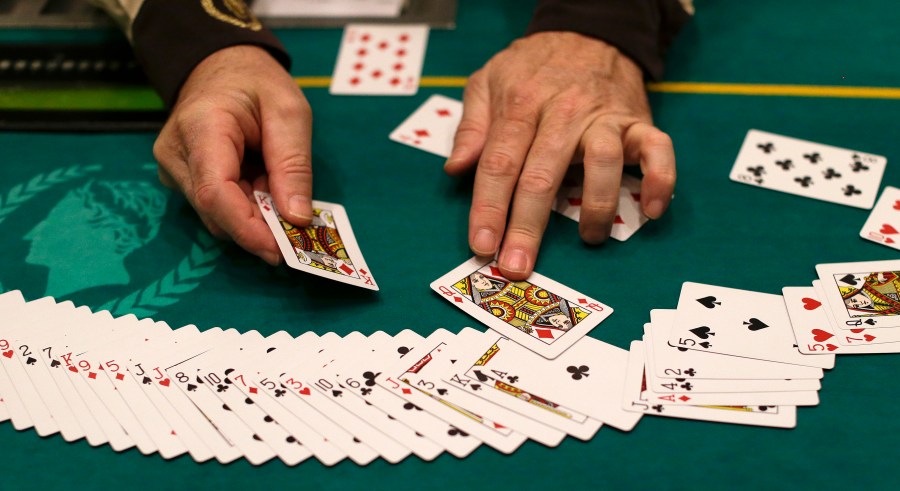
pixel 171 37
pixel 640 29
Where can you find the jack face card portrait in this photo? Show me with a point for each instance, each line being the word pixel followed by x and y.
pixel 538 313
pixel 326 248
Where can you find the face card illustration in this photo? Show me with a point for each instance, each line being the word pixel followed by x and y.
pixel 629 217
pixel 380 60
pixel 809 169
pixel 432 126
pixel 883 224
pixel 738 323
pixel 538 313
pixel 326 248
pixel 637 399
pixel 862 295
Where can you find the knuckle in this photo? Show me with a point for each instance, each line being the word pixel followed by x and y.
pixel 658 139
pixel 600 209
pixel 488 210
pixel 537 182
pixel 603 151
pixel 205 196
pixel 527 234
pixel 498 164
pixel 567 107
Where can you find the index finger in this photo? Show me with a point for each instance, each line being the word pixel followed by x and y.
pixel 286 147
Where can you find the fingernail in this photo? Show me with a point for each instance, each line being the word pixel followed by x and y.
pixel 484 243
pixel 271 258
pixel 514 261
pixel 297 206
pixel 654 209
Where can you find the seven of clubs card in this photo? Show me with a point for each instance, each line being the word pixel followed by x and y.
pixel 809 169
pixel 326 248
pixel 380 60
pixel 538 313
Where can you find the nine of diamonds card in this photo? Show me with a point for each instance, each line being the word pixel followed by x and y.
pixel 538 313
pixel 326 248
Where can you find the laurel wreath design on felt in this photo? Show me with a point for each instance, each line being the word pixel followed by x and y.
pixel 183 279
pixel 161 293
pixel 20 193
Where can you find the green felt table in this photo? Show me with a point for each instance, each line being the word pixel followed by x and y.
pixel 410 220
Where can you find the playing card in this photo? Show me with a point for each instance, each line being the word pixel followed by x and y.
pixel 27 409
pixel 547 412
pixel 301 381
pixel 738 323
pixel 380 59
pixel 629 217
pixel 189 423
pixel 534 430
pixel 589 377
pixel 700 385
pixel 677 362
pixel 351 393
pixel 246 370
pixel 426 376
pixel 883 224
pixel 637 399
pixel 403 379
pixel 216 368
pixel 682 393
pixel 815 334
pixel 809 169
pixel 858 337
pixel 432 126
pixel 538 313
pixel 326 248
pixel 863 294
pixel 365 368
pixel 295 397
pixel 96 361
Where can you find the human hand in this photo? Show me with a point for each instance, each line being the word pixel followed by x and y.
pixel 235 100
pixel 546 101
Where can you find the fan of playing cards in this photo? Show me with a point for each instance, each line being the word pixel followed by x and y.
pixel 723 355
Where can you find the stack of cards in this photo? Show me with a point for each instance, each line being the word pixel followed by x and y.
pixel 853 308
pixel 225 395
pixel 750 358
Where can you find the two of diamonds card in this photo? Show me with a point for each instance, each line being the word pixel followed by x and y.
pixel 326 248
pixel 538 313
pixel 809 169
pixel 380 60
